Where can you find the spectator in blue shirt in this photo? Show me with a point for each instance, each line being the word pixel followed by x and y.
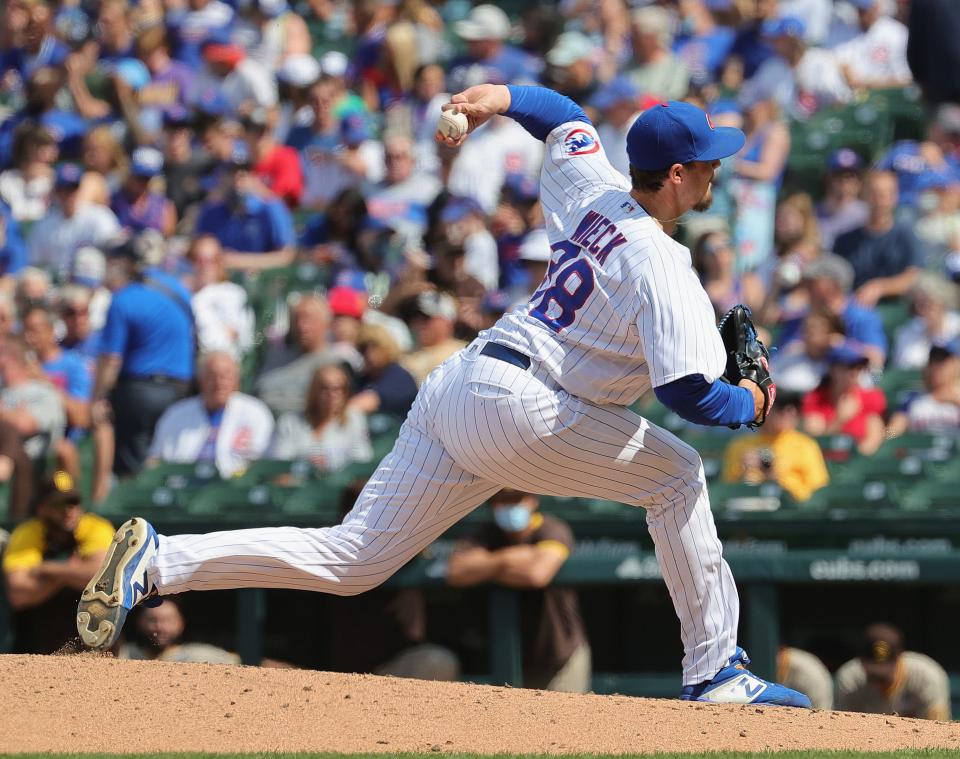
pixel 136 204
pixel 33 47
pixel 885 254
pixel 67 129
pixel 251 224
pixel 13 251
pixel 69 373
pixel 828 280
pixel 489 58
pixel 146 355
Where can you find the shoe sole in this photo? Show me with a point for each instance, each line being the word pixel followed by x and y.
pixel 100 613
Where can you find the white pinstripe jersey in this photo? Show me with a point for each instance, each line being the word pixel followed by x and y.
pixel 621 308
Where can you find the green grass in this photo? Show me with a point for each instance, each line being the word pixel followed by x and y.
pixel 902 754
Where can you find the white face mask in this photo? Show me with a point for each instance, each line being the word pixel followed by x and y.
pixel 512 517
pixel 928 202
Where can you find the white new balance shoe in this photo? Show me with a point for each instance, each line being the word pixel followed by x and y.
pixel 120 584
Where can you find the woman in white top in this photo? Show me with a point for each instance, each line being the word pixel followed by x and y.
pixel 223 317
pixel 26 187
pixel 934 301
pixel 328 434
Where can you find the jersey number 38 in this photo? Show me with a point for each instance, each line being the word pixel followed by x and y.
pixel 565 289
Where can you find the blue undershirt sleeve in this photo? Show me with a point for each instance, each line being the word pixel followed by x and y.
pixel 540 110
pixel 713 404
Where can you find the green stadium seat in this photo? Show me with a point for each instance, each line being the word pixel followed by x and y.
pixel 742 498
pixel 932 495
pixel 176 476
pixel 871 495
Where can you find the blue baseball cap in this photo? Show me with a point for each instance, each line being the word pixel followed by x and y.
pixel 458 208
pixel 178 116
pixel 844 159
pixel 863 5
pixel 146 162
pixel 676 132
pixel 785 26
pixel 353 129
pixel 68 175
pixel 521 187
pixel 615 91
pixel 847 354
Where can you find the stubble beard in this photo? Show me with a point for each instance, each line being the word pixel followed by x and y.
pixel 706 201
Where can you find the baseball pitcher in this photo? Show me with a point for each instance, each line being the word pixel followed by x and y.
pixel 539 403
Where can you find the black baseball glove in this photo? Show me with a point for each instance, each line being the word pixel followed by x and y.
pixel 747 356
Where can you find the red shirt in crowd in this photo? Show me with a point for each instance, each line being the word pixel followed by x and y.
pixel 872 401
pixel 280 171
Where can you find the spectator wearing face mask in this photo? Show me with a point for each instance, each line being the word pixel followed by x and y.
pixel 524 549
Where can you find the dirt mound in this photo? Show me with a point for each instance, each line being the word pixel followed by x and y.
pixel 93 703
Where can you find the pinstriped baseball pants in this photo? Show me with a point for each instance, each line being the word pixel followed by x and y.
pixel 477 425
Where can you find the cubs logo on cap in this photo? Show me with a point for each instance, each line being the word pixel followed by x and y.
pixel 580 142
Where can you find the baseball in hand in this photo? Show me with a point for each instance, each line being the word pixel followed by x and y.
pixel 452 124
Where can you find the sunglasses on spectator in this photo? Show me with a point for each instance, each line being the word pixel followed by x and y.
pixel 76 311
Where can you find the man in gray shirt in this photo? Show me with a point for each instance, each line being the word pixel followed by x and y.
pixel 33 410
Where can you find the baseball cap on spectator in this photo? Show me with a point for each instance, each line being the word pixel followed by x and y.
pixel 843 160
pixel 146 162
pixel 569 48
pixel 785 26
pixel 848 354
pixel 89 267
pixel 863 5
pixel 68 175
pixel 882 646
pixel 485 22
pixel 654 19
pixel 132 71
pixel 435 303
pixel 59 489
pixel 521 188
pixel 300 70
pixel 177 116
pixel 943 350
pixel 220 48
pixel 458 208
pixel 272 8
pixel 676 132
pixel 257 119
pixel 615 91
pixel 830 266
pixel 948 118
pixel 937 179
pixel 334 63
pixel 213 103
pixel 345 301
pixel 353 129
pixel 73 26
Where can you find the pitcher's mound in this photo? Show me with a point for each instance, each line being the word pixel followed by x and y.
pixel 93 703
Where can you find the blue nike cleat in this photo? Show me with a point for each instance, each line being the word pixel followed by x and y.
pixel 120 584
pixel 735 684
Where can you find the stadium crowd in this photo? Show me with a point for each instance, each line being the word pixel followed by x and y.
pixel 228 235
